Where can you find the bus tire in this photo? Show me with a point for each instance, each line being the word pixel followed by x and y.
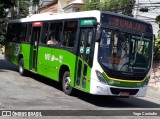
pixel 66 84
pixel 22 71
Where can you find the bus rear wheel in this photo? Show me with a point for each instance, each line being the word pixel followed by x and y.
pixel 67 88
pixel 22 71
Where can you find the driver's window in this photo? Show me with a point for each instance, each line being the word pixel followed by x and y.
pixel 106 38
pixel 114 42
pixel 140 47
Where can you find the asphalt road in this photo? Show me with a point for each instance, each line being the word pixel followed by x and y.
pixel 35 92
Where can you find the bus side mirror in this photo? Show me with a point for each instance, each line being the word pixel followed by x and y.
pixel 98 32
pixel 98 36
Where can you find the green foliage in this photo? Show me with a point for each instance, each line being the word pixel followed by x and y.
pixel 94 5
pixel 23 8
pixel 4 4
pixel 7 4
pixel 156 56
pixel 158 19
pixel 118 6
pixel 157 43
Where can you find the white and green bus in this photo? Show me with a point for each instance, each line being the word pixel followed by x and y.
pixel 100 53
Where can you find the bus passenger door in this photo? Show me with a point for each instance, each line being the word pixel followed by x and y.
pixel 34 46
pixel 84 58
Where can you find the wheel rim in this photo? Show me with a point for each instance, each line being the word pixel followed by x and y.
pixel 67 83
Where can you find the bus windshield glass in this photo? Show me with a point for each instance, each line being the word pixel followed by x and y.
pixel 123 51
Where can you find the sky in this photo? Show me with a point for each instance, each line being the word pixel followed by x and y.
pixel 154 10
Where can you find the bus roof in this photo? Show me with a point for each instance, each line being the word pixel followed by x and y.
pixel 58 16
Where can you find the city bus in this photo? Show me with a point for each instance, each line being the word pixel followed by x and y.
pixel 97 52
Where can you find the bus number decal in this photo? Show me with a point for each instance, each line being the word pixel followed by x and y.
pixel 53 58
pixel 47 56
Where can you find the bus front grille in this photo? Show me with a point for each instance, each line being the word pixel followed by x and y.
pixel 117 91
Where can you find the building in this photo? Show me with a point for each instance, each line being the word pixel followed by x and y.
pixel 48 6
pixel 74 6
pixel 60 6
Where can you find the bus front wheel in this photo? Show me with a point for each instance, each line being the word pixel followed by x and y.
pixel 66 84
pixel 21 67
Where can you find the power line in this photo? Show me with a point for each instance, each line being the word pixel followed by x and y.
pixel 145 16
pixel 150 3
pixel 154 9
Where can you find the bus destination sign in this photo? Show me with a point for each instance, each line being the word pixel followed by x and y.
pixel 125 23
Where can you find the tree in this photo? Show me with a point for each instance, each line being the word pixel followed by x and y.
pixel 5 7
pixel 158 19
pixel 93 5
pixel 4 4
pixel 118 6
pixel 156 56
pixel 157 42
pixel 23 8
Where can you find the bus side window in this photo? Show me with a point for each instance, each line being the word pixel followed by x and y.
pixel 69 33
pixel 28 34
pixel 44 33
pixel 23 30
pixel 9 32
pixel 18 31
pixel 14 38
pixel 22 37
pixel 58 31
pixel 12 32
pixel 54 33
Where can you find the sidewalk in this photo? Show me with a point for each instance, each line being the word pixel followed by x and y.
pixel 155 80
pixel 154 86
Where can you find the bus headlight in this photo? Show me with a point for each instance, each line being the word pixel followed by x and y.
pixel 146 81
pixel 100 77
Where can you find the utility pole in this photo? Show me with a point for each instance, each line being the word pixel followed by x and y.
pixel 18 9
pixel 135 12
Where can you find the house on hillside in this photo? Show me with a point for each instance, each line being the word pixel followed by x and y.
pixel 60 6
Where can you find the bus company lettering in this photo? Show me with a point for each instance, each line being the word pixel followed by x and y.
pixel 127 24
pixel 53 58
pixel 47 56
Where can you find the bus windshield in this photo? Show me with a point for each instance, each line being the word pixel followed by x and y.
pixel 122 51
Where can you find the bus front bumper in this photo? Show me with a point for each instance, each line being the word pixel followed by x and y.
pixel 98 88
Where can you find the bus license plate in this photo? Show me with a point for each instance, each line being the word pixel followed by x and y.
pixel 124 94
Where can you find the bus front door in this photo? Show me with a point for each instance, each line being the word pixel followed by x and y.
pixel 34 47
pixel 84 58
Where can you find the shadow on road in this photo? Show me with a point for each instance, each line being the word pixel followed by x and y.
pixel 101 101
pixel 107 101
pixel 5 65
